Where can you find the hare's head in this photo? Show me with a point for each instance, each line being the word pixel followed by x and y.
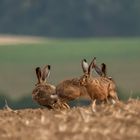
pixel 86 77
pixel 43 74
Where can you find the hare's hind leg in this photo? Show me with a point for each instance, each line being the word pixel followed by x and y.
pixel 93 106
pixel 113 97
pixel 61 105
pixel 106 100
pixel 65 105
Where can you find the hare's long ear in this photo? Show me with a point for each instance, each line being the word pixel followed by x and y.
pixel 91 65
pixel 94 62
pixel 103 68
pixel 97 69
pixel 38 74
pixel 84 65
pixel 46 72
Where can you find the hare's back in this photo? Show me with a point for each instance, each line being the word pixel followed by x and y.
pixel 68 90
pixel 105 86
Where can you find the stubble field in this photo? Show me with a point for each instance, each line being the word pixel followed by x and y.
pixel 104 122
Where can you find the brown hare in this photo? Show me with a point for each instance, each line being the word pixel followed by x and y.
pixel 70 89
pixel 44 93
pixel 103 73
pixel 99 88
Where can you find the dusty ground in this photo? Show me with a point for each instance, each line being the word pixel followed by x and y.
pixel 116 122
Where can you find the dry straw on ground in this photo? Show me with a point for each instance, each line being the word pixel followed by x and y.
pixel 108 122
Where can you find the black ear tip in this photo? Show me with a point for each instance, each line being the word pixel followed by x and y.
pixel 49 67
pixel 84 60
pixel 37 68
pixel 103 64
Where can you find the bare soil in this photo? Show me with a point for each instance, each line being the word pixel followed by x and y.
pixel 112 122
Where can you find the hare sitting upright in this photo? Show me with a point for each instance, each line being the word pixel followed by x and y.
pixel 44 93
pixel 99 88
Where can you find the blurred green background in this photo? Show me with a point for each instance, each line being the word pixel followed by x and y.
pixel 68 31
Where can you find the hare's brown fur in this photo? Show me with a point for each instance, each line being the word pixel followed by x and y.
pixel 69 90
pixel 100 88
pixel 42 95
pixel 45 94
